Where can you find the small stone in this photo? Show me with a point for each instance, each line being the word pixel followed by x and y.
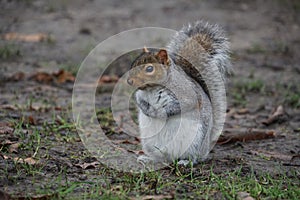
pixel 244 196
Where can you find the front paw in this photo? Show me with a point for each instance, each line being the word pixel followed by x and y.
pixel 183 162
pixel 156 111
pixel 186 163
pixel 144 159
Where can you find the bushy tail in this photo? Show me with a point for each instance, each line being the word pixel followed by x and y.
pixel 202 51
pixel 206 42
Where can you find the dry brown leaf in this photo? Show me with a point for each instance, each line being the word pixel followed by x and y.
pixel 234 135
pixel 274 116
pixel 230 112
pixel 42 77
pixel 64 76
pixel 108 79
pixel 126 142
pixel 243 111
pixel 61 76
pixel 29 161
pixel 13 148
pixel 36 37
pixel 88 165
pixel 31 120
pixel 7 142
pixel 154 197
pixel 8 107
pixel 5 128
pixel 238 116
pixel 18 76
pixel 58 108
pixel 137 152
pixel 36 108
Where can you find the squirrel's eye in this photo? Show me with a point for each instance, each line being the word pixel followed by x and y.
pixel 149 69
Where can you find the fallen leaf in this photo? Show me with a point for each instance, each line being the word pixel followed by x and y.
pixel 13 148
pixel 29 161
pixel 8 107
pixel 7 142
pixel 10 144
pixel 58 108
pixel 64 76
pixel 279 112
pixel 88 165
pixel 155 197
pixel 137 152
pixel 230 112
pixel 42 77
pixel 61 76
pixel 234 135
pixel 126 142
pixel 5 128
pixel 36 37
pixel 29 120
pixel 108 79
pixel 243 111
pixel 238 116
pixel 18 76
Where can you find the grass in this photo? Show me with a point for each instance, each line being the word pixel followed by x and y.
pixel 291 95
pixel 293 99
pixel 8 51
pixel 70 67
pixel 67 66
pixel 57 177
pixel 242 88
pixel 226 185
pixel 288 95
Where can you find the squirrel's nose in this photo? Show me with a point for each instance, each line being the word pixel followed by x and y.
pixel 129 81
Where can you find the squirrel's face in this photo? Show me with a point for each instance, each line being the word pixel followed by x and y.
pixel 149 69
pixel 147 75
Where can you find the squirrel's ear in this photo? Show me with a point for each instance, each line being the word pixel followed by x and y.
pixel 145 50
pixel 163 57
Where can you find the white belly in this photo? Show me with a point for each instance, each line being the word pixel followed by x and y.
pixel 172 138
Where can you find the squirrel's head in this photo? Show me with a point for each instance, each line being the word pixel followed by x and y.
pixel 149 68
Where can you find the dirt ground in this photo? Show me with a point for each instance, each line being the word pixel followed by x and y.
pixel 35 99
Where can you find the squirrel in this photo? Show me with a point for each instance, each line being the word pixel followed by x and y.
pixel 174 93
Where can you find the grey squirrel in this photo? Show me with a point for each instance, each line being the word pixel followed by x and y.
pixel 174 95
